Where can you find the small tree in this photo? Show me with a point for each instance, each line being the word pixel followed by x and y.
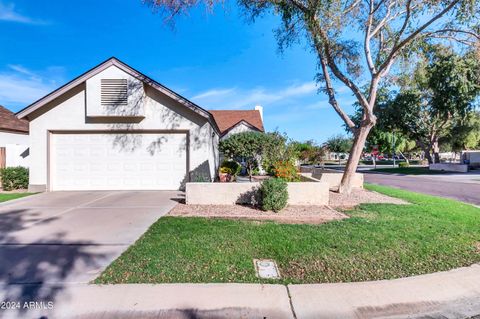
pixel 308 152
pixel 246 145
pixel 275 148
pixel 338 144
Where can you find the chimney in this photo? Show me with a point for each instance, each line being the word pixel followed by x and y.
pixel 259 108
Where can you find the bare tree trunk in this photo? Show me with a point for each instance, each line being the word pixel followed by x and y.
pixel 355 153
pixel 436 151
pixel 250 169
pixel 406 159
pixel 428 156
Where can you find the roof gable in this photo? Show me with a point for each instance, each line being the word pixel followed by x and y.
pixel 126 68
pixel 9 122
pixel 227 119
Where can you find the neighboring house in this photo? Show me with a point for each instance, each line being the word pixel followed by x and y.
pixel 236 121
pixel 14 140
pixel 113 128
pixel 472 158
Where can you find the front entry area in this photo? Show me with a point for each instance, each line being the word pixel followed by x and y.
pixel 117 161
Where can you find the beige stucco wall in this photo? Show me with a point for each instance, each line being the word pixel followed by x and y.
pixel 451 167
pixel 17 155
pixel 239 128
pixel 161 113
pixel 333 179
pixel 301 193
pixel 13 138
pixel 16 148
pixel 473 157
pixel 136 94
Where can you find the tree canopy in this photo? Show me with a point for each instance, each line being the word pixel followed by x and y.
pixel 464 134
pixel 338 144
pixel 443 91
pixel 246 145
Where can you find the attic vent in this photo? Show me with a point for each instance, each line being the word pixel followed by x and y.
pixel 114 92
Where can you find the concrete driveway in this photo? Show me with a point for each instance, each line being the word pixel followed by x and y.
pixel 52 239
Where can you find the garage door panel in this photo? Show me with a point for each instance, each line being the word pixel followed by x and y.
pixel 117 161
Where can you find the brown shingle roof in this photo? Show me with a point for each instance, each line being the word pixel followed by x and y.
pixel 226 119
pixel 9 122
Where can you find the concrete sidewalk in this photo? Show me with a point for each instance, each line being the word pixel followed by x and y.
pixel 165 301
pixel 452 294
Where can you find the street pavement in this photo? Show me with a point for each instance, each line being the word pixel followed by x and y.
pixel 462 187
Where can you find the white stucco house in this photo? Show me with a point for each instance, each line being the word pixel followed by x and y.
pixel 113 128
pixel 14 140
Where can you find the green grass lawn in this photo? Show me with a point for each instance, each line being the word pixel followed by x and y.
pixel 379 241
pixel 8 196
pixel 408 170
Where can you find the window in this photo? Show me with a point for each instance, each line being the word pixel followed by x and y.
pixel 114 92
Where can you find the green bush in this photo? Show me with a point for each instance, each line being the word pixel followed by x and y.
pixel 274 194
pixel 14 178
pixel 403 164
pixel 230 167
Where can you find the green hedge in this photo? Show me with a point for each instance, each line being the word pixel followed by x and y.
pixel 14 178
pixel 274 194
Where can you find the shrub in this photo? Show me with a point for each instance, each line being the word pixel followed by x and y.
pixel 403 164
pixel 14 178
pixel 274 194
pixel 286 170
pixel 230 167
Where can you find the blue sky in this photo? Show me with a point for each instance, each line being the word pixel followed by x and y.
pixel 219 60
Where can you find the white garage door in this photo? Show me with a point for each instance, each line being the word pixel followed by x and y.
pixel 117 161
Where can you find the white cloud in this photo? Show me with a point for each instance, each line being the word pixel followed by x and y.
pixel 235 98
pixel 20 86
pixel 305 88
pixel 8 13
pixel 213 93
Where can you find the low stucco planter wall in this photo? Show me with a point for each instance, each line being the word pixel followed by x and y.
pixel 462 168
pixel 333 179
pixel 301 193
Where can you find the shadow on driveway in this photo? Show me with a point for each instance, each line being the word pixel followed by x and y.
pixel 35 272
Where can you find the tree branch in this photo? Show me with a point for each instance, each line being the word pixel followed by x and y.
pixel 405 22
pixel 451 30
pixel 385 19
pixel 323 50
pixel 398 46
pixel 331 92
pixel 366 45
pixel 351 7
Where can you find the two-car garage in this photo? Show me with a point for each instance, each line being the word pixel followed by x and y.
pixel 117 161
